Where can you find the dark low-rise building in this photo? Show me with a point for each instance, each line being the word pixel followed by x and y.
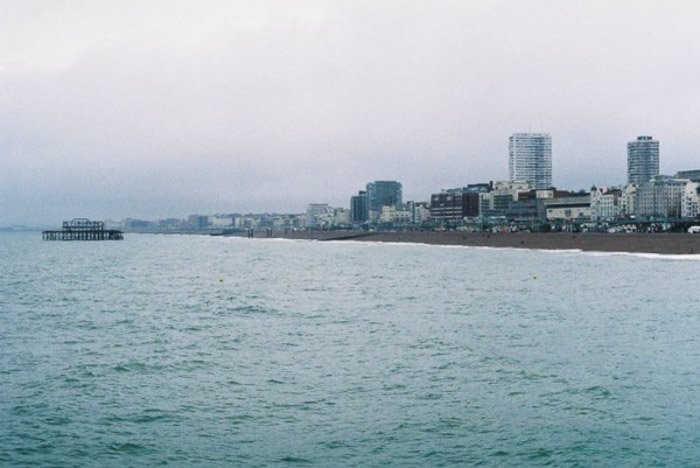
pixel 522 211
pixel 457 204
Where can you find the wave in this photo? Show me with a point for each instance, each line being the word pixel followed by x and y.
pixel 650 256
pixel 593 253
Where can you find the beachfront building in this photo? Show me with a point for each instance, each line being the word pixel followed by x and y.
pixel 523 211
pixel 387 215
pixel 458 203
pixel 318 216
pixel 628 198
pixel 299 221
pixel 393 215
pixel 605 204
pixel 572 208
pixel 283 221
pixel 660 198
pixel 382 193
pixel 341 217
pixel 486 204
pixel 358 208
pixel 530 159
pixel 449 205
pixel 690 205
pixel 642 160
pixel 505 192
pixel 420 212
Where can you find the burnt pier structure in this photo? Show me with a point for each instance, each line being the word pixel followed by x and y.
pixel 84 230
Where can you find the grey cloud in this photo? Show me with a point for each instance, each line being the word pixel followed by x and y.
pixel 165 109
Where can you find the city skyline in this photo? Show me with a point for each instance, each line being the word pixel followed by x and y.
pixel 642 152
pixel 155 109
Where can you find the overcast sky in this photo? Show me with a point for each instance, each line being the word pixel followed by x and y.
pixel 166 108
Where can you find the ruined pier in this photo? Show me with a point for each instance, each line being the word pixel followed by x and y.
pixel 82 229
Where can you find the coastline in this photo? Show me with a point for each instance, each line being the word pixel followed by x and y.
pixel 657 243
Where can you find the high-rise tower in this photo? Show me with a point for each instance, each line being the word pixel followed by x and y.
pixel 358 208
pixel 531 159
pixel 382 193
pixel 642 160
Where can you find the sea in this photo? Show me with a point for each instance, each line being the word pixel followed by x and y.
pixel 218 351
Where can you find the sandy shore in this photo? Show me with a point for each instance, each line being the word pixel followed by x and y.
pixel 679 244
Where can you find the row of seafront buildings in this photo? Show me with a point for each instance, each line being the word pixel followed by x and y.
pixel 527 200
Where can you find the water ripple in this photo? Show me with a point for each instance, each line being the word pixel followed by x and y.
pixel 217 352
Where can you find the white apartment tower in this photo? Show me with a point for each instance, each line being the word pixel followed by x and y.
pixel 642 160
pixel 531 159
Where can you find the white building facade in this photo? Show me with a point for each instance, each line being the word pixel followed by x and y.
pixel 690 206
pixel 660 198
pixel 530 159
pixel 606 204
pixel 318 215
pixel 642 160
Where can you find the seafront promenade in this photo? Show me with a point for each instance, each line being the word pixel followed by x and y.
pixel 659 243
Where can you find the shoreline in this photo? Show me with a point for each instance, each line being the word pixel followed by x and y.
pixel 657 243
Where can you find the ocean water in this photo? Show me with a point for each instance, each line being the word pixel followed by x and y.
pixel 203 351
